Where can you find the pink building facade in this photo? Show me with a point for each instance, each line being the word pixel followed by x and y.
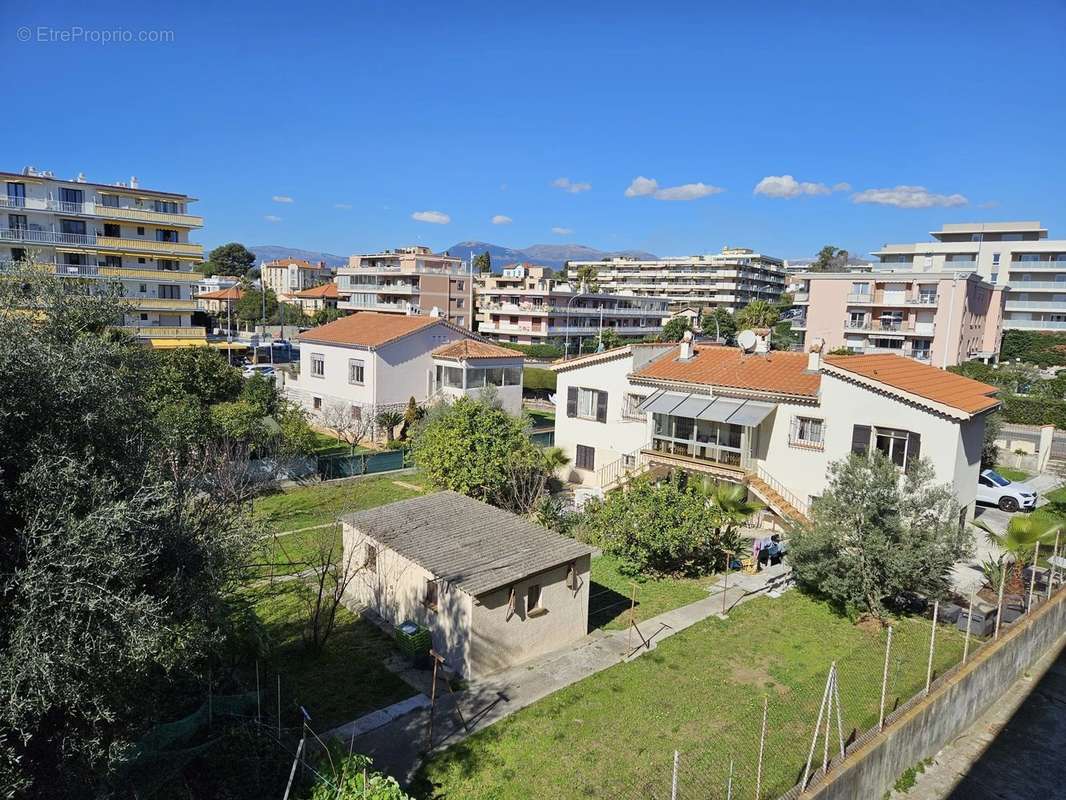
pixel 941 319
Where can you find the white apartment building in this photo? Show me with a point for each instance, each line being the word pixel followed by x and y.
pixel 730 279
pixel 771 420
pixel 287 276
pixel 368 362
pixel 119 233
pixel 1016 253
pixel 526 305
pixel 408 280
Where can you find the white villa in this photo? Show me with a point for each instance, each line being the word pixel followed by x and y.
pixel 769 419
pixel 367 362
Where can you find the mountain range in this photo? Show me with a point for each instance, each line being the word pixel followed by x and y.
pixel 271 252
pixel 546 255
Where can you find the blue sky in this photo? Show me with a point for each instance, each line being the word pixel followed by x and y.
pixel 361 114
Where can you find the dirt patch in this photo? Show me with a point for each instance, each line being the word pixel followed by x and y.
pixel 756 675
pixel 870 624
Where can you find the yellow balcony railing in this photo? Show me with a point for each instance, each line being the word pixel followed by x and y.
pixel 144 215
pixel 161 304
pixel 164 275
pixel 150 246
pixel 167 332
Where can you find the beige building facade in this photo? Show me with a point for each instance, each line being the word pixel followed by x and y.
pixel 940 318
pixel 287 276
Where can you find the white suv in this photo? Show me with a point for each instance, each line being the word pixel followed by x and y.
pixel 994 489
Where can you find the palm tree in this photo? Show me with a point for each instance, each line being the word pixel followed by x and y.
pixel 389 420
pixel 757 314
pixel 554 458
pixel 734 510
pixel 1019 541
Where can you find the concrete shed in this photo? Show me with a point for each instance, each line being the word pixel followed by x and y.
pixel 493 588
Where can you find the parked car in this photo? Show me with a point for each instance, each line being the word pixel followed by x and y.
pixel 994 489
pixel 259 369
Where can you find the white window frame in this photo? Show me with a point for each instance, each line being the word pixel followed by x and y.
pixel 807 433
pixel 592 397
pixel 356 366
pixel 318 360
pixel 631 406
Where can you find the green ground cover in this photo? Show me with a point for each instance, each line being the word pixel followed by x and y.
pixel 609 594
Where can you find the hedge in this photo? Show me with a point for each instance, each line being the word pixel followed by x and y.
pixel 535 378
pixel 1023 410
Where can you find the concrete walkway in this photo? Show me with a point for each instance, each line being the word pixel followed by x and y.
pixel 399 746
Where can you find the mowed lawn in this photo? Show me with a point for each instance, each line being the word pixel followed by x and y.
pixel 700 692
pixel 610 592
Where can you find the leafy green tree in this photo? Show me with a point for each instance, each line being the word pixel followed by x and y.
pixel 757 314
pixel 289 314
pixel 610 339
pixel 388 420
pixel 411 415
pixel 483 262
pixel 229 259
pixel 325 315
pixel 249 308
pixel 474 447
pixel 352 777
pixel 674 526
pixel 874 536
pixel 588 277
pixel 830 259
pixel 675 329
pixel 726 326
pixel 199 372
pixel 119 561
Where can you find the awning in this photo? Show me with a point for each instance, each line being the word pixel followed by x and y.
pixel 230 345
pixel 166 344
pixel 752 413
pixel 721 410
pixel 662 402
pixel 693 406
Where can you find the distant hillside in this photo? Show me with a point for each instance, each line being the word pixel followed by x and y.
pixel 547 255
pixel 270 252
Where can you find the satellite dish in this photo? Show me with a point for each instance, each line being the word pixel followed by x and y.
pixel 747 340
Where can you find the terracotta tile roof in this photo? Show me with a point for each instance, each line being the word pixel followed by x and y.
pixel 907 375
pixel 232 293
pixel 299 262
pixel 778 371
pixel 326 291
pixel 367 328
pixel 468 349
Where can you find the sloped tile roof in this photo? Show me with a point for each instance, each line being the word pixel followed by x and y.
pixel 326 291
pixel 468 349
pixel 923 380
pixel 463 541
pixel 779 371
pixel 232 293
pixel 368 329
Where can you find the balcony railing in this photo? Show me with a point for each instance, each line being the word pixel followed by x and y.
pixel 923 300
pixel 93 209
pixel 861 297
pixel 162 304
pixel 1022 266
pixel 885 326
pixel 1034 324
pixel 699 453
pixel 35 236
pixel 1027 305
pixel 1039 286
pixel 166 331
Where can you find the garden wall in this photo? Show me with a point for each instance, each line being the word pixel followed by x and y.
pixel 960 698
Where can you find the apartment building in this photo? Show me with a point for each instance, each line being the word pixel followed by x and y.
pixel 527 305
pixel 772 421
pixel 287 276
pixel 315 299
pixel 119 233
pixel 941 318
pixel 730 279
pixel 408 280
pixel 1016 253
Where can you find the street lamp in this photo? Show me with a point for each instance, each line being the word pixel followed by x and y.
pixel 566 345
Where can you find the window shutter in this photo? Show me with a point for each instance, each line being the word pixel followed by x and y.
pixel 571 401
pixel 601 406
pixel 914 447
pixel 860 439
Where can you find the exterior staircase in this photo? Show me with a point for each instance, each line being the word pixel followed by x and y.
pixel 779 500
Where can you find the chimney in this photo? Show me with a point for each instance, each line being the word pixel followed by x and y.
pixel 814 356
pixel 762 340
pixel 133 182
pixel 687 349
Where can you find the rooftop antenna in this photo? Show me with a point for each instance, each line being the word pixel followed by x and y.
pixel 747 340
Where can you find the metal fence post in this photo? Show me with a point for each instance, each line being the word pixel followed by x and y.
pixel 932 647
pixel 762 748
pixel 884 681
pixel 969 622
pixel 1051 574
pixel 673 783
pixel 999 601
pixel 1032 578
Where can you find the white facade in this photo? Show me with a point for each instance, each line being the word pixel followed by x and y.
pixel 1016 253
pixel 108 233
pixel 730 279
pixel 789 450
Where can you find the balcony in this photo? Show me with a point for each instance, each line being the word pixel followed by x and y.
pixel 1052 266
pixel 167 331
pixel 1039 286
pixel 119 273
pixel 712 459
pixel 1034 325
pixel 964 263
pixel 161 304
pixel 801 297
pixel 389 308
pixel 34 236
pixel 94 209
pixel 923 300
pixel 1032 305
pixel 861 298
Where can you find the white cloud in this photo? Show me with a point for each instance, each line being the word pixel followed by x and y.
pixel 272 218
pixel 787 187
pixel 283 198
pixel 908 197
pixel 645 187
pixel 502 219
pixel 344 206
pixel 568 185
pixel 562 231
pixel 434 217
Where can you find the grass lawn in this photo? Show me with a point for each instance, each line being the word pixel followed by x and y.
pixel 1012 474
pixel 326 445
pixel 346 680
pixel 324 502
pixel 700 692
pixel 542 419
pixel 610 591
